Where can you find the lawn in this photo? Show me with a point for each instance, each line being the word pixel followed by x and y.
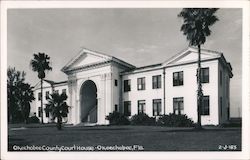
pixel 144 138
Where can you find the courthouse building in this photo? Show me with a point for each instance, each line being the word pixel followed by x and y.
pixel 99 84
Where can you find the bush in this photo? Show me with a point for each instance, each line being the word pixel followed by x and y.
pixel 117 118
pixel 173 120
pixel 33 119
pixel 142 119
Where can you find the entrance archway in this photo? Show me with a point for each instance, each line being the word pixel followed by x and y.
pixel 88 102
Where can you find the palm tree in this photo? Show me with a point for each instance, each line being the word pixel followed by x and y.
pixel 57 107
pixel 196 28
pixel 40 64
pixel 26 97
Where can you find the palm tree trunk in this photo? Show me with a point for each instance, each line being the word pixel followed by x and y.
pixel 42 100
pixel 59 123
pixel 199 91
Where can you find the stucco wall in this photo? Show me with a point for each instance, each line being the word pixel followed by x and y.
pixel 148 94
pixel 189 90
pixel 37 103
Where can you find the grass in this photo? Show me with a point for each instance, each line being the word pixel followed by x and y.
pixel 151 138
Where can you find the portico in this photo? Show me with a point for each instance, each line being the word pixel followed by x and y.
pixel 92 89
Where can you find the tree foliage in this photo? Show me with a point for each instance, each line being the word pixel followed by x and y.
pixel 196 28
pixel 40 64
pixel 117 118
pixel 20 95
pixel 58 107
pixel 196 24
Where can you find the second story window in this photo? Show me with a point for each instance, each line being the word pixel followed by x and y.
pixel 156 81
pixel 205 75
pixel 127 85
pixel 39 96
pixel 64 91
pixel 141 83
pixel 178 78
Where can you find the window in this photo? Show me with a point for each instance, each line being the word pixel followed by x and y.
pixel 220 77
pixel 221 104
pixel 178 105
pixel 156 107
pixel 141 83
pixel 116 82
pixel 156 80
pixel 56 91
pixel 227 87
pixel 141 106
pixel 39 96
pixel 205 75
pixel 205 106
pixel 178 78
pixel 127 85
pixel 127 108
pixel 47 95
pixel 116 107
pixel 39 111
pixel 64 91
pixel 47 113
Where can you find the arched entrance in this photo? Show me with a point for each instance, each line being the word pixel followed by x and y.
pixel 88 102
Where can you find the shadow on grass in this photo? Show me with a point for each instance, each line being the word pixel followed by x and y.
pixel 202 130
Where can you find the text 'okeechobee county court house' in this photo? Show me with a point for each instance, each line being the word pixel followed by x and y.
pixel 99 84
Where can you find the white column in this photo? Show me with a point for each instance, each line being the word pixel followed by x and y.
pixel 109 103
pixel 73 105
pixel 102 101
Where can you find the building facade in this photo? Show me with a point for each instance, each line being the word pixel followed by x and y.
pixel 99 84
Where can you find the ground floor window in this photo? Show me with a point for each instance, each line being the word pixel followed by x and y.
pixel 178 106
pixel 221 105
pixel 47 114
pixel 205 106
pixel 156 107
pixel 39 111
pixel 116 107
pixel 127 108
pixel 141 106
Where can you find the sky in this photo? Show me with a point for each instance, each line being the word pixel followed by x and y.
pixel 138 36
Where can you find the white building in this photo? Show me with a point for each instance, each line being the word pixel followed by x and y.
pixel 99 84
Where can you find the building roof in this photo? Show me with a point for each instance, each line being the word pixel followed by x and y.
pixel 172 61
pixel 176 60
pixel 105 59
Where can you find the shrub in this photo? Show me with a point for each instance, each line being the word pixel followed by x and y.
pixel 142 119
pixel 173 120
pixel 116 118
pixel 33 119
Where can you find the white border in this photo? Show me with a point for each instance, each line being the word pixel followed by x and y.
pixel 244 154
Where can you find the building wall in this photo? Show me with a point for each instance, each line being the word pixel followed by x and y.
pixel 37 102
pixel 224 93
pixel 109 95
pixel 189 90
pixel 148 94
